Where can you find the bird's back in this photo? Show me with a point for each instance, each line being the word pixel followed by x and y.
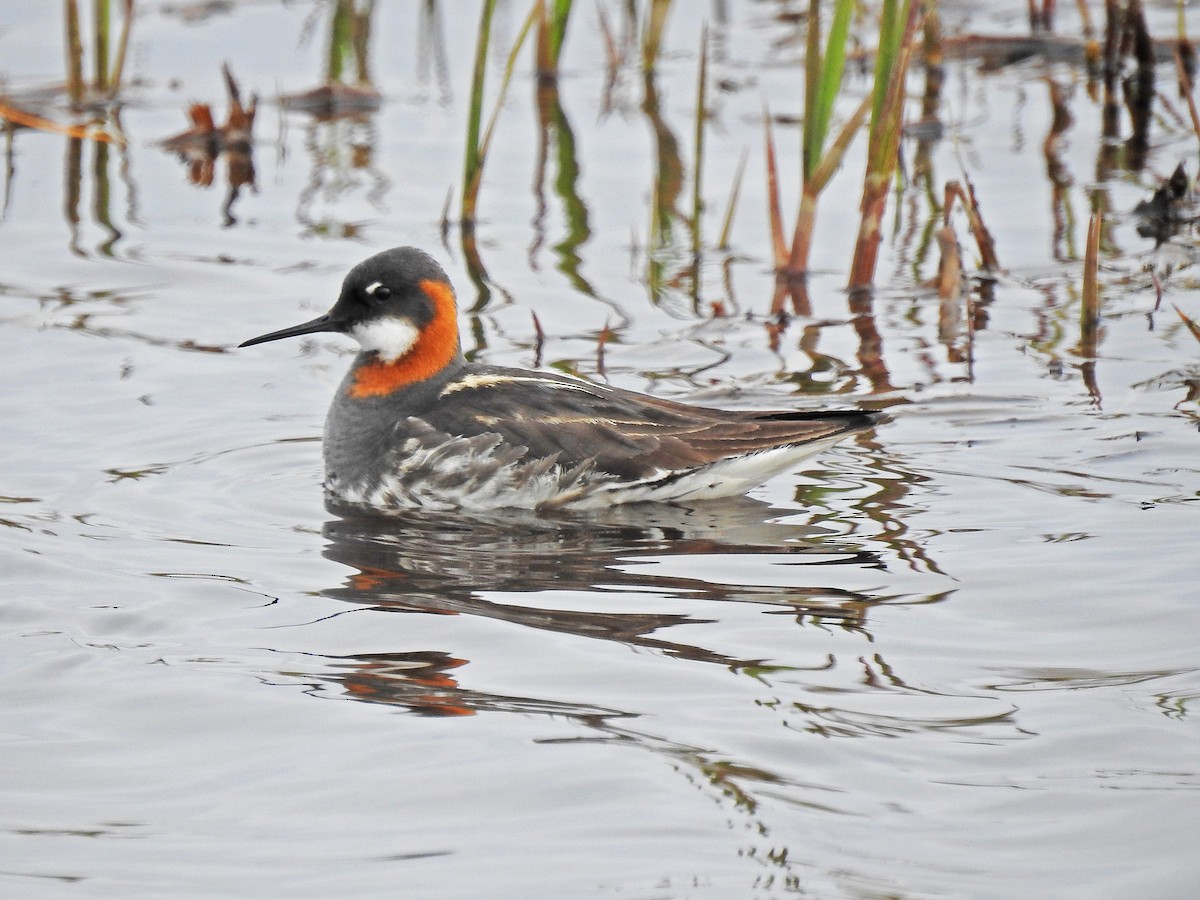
pixel 487 437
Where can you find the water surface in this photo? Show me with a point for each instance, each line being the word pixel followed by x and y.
pixel 956 657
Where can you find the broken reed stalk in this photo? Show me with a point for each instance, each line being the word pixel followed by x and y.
pixel 1089 311
pixel 239 123
pixel 896 37
pixel 774 210
pixel 983 237
pixel 1189 322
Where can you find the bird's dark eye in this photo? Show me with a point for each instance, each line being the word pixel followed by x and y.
pixel 383 292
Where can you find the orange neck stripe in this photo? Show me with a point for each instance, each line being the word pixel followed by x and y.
pixel 434 350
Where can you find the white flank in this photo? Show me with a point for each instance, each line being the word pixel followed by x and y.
pixel 390 337
pixel 420 480
pixel 725 478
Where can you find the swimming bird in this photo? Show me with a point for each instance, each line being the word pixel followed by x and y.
pixel 414 424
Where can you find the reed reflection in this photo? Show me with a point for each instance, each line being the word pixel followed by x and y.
pixel 95 107
pixel 556 139
pixel 667 189
pixel 341 138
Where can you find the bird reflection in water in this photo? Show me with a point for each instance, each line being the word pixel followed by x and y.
pixel 447 564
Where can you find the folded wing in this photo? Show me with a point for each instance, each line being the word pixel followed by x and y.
pixel 629 435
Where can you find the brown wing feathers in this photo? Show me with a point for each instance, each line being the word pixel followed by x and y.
pixel 629 434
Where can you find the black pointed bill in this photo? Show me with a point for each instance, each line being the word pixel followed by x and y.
pixel 319 324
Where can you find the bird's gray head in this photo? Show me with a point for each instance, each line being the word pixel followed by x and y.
pixel 390 303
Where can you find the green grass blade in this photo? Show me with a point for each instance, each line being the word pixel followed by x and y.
pixel 509 66
pixel 558 31
pixel 812 88
pixel 891 38
pixel 102 15
pixel 827 82
pixel 339 40
pixel 471 155
pixel 477 145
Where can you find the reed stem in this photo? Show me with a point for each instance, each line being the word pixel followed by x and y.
pixel 118 69
pixel 1089 311
pixel 472 159
pixel 698 166
pixel 897 36
pixel 101 13
pixel 74 53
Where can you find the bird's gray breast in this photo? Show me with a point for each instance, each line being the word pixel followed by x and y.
pixel 357 437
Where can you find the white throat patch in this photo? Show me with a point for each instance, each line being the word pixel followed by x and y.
pixel 390 337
